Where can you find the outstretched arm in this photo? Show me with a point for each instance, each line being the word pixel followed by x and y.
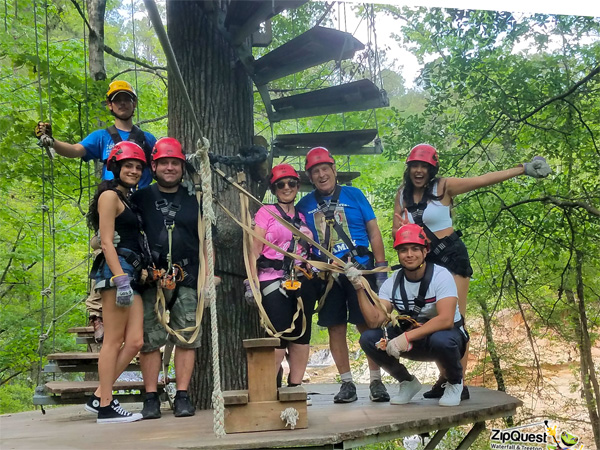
pixel 43 130
pixel 457 186
pixel 537 168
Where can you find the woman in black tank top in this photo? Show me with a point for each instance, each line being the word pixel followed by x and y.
pixel 111 215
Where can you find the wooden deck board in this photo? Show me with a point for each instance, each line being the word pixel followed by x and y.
pixel 354 424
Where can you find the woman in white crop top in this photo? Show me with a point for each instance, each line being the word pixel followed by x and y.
pixel 426 199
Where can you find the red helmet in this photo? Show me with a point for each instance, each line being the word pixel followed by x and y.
pixel 282 171
pixel 167 147
pixel 410 234
pixel 425 153
pixel 317 155
pixel 122 151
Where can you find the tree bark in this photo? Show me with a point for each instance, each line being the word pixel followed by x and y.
pixel 96 9
pixel 221 92
pixel 589 379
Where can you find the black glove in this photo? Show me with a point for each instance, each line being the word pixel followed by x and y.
pixel 248 294
pixel 43 128
pixel 380 277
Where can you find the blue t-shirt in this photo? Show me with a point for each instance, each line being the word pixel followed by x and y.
pixel 353 211
pixel 98 145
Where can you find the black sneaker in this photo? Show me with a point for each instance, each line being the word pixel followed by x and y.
pixel 114 413
pixel 347 393
pixel 92 404
pixel 151 409
pixel 378 392
pixel 437 390
pixel 183 406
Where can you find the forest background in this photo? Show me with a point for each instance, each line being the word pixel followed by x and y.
pixel 495 89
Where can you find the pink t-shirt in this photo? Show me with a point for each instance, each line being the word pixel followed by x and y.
pixel 278 235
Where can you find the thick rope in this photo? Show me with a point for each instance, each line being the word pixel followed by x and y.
pixel 209 215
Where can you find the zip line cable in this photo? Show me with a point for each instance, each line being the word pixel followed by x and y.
pixel 41 338
pixel 51 218
pixel 135 72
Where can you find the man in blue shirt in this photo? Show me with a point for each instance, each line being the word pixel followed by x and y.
pixel 343 221
pixel 121 100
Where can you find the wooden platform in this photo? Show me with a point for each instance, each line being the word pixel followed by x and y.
pixel 331 426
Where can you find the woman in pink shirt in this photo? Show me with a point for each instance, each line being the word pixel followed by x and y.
pixel 276 272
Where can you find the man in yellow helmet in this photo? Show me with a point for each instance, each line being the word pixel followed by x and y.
pixel 121 100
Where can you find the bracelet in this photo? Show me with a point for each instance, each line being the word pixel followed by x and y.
pixel 115 276
pixel 383 263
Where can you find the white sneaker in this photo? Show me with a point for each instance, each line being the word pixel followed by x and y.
pixel 452 394
pixel 308 400
pixel 406 391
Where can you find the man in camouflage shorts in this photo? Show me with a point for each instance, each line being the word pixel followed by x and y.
pixel 167 208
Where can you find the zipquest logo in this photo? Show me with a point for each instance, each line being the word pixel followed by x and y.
pixel 517 438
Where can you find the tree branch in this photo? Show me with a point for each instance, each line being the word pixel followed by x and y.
pixel 558 202
pixel 109 50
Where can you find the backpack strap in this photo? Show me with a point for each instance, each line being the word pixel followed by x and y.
pixel 135 135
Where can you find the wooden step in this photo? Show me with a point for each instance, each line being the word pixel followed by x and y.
pixel 316 46
pixel 244 18
pixel 355 96
pixel 344 178
pixel 349 142
pixel 291 394
pixel 78 392
pixel 78 362
pixel 81 330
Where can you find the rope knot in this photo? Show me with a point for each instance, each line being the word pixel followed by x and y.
pixel 290 416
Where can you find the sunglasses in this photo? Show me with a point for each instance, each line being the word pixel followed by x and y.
pixel 281 184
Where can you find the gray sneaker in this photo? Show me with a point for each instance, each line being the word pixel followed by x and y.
pixel 347 393
pixel 378 392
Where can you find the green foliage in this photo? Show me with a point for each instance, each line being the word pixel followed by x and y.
pixel 43 202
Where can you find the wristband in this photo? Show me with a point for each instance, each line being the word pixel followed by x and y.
pixel 383 263
pixel 115 276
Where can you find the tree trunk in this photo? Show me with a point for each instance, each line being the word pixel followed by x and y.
pixel 221 92
pixel 96 10
pixel 589 379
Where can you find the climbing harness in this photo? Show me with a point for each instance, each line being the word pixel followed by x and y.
pixel 334 223
pixel 438 245
pixel 136 135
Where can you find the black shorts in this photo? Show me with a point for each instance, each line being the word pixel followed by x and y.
pixel 341 305
pixel 281 310
pixel 454 257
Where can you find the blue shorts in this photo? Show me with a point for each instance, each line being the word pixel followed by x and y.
pixel 103 275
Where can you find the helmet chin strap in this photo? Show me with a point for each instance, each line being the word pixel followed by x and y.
pixel 120 118
pixel 415 269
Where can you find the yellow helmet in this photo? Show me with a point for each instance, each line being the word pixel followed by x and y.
pixel 119 86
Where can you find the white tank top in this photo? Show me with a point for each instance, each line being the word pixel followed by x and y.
pixel 436 216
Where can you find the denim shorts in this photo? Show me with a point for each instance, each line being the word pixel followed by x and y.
pixel 103 275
